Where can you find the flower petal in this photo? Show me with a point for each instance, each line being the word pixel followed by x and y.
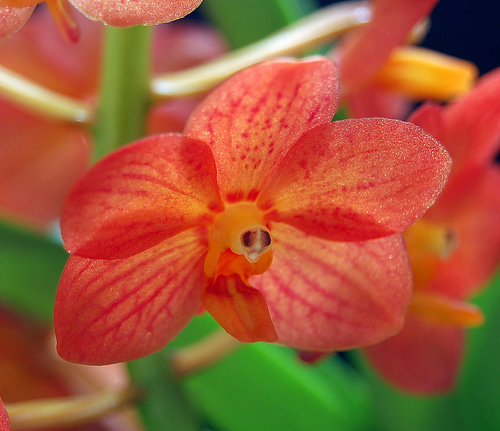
pixel 470 130
pixel 424 357
pixel 354 180
pixel 39 162
pixel 141 12
pixel 12 19
pixel 4 418
pixel 367 50
pixel 119 310
pixel 140 195
pixel 252 119
pixel 325 295
pixel 477 226
pixel 239 308
pixel 70 69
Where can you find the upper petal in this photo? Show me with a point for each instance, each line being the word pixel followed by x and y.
pixel 253 118
pixel 328 295
pixel 118 310
pixel 140 12
pixel 424 357
pixel 353 180
pixel 140 195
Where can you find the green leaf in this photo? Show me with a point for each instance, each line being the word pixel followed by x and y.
pixel 244 22
pixel 30 268
pixel 266 387
pixel 478 394
pixel 163 406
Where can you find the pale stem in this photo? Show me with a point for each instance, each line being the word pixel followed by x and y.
pixel 69 411
pixel 318 28
pixel 39 99
pixel 201 354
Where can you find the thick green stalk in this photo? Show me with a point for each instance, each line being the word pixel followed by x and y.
pixel 124 94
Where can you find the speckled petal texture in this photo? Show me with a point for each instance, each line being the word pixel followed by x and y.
pixel 127 13
pixel 12 19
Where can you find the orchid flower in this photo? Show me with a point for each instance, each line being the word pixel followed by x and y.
pixel 14 13
pixel 4 418
pixel 381 74
pixel 40 157
pixel 454 248
pixel 281 224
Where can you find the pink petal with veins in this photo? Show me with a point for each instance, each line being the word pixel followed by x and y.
pixel 139 196
pixel 325 295
pixel 118 310
pixel 354 180
pixel 252 119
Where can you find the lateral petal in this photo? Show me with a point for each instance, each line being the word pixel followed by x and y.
pixel 110 311
pixel 325 295
pixel 253 118
pixel 142 12
pixel 424 357
pixel 355 180
pixel 140 195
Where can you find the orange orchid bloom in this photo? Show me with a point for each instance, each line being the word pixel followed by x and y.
pixel 40 158
pixel 14 13
pixel 454 248
pixel 282 224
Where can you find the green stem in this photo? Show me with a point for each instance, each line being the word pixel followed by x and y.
pixel 124 95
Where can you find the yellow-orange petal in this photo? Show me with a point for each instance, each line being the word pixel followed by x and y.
pixel 445 310
pixel 422 74
pixel 239 308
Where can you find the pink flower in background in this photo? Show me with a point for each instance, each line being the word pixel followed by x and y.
pixel 280 223
pixel 382 75
pixel 454 248
pixel 41 158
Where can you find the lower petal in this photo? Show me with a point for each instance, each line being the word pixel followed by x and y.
pixel 240 309
pixel 118 310
pixel 325 295
pixel 424 357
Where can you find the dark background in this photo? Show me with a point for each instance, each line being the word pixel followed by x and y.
pixel 468 29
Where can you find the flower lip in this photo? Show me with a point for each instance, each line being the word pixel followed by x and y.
pixel 241 229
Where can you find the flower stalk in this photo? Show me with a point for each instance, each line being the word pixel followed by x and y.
pixel 69 411
pixel 124 95
pixel 310 32
pixel 43 101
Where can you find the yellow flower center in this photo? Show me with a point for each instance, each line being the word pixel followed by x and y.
pixel 241 229
pixel 239 246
